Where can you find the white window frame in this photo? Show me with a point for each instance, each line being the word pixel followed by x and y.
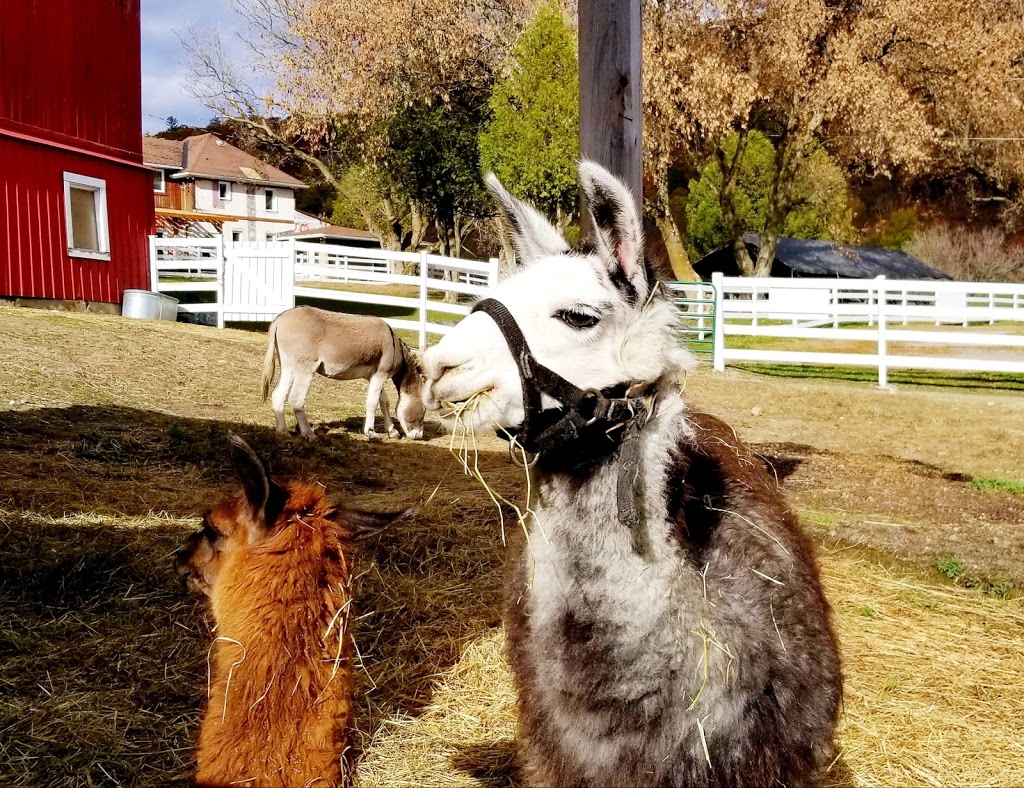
pixel 272 208
pixel 163 182
pixel 224 190
pixel 99 186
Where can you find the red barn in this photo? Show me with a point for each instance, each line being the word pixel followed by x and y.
pixel 76 202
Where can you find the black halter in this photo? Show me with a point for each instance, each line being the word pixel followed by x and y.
pixel 617 412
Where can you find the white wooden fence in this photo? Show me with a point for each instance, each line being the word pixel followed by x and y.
pixel 989 317
pixel 258 281
pixel 912 324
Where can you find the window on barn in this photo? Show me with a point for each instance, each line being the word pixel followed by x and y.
pixel 269 199
pixel 85 210
pixel 224 189
pixel 159 184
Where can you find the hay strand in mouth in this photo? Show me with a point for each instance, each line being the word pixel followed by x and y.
pixel 468 456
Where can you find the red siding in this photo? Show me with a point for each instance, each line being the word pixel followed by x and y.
pixel 33 237
pixel 72 69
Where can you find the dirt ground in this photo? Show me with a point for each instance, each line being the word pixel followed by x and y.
pixel 111 443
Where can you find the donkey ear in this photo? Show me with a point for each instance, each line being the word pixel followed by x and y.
pixel 532 234
pixel 256 484
pixel 619 231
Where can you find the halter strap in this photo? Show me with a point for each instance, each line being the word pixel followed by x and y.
pixel 615 408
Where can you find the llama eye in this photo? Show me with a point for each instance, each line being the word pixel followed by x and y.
pixel 576 319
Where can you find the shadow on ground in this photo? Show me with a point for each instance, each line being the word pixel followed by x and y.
pixel 103 655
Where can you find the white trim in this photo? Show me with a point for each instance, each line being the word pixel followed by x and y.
pixel 163 182
pixel 272 208
pixel 99 187
pixel 224 190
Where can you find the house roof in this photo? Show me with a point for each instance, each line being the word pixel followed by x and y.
pixel 208 156
pixel 800 257
pixel 162 153
pixel 331 232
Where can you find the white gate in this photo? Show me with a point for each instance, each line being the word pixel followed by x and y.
pixel 259 280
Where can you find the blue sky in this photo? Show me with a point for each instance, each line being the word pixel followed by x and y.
pixel 163 73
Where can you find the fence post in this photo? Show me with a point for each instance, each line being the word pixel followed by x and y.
pixel 154 273
pixel 492 276
pixel 883 368
pixel 718 323
pixel 293 249
pixel 423 300
pixel 218 251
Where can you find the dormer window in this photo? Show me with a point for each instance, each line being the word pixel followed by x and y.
pixel 224 190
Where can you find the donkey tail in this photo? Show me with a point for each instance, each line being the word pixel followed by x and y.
pixel 269 362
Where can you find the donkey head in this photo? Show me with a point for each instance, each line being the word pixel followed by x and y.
pixel 594 315
pixel 409 383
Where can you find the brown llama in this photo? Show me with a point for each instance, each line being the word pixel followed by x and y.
pixel 274 562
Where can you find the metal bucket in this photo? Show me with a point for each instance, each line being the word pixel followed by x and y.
pixel 148 305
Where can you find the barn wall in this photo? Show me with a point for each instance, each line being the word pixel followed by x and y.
pixel 34 261
pixel 70 70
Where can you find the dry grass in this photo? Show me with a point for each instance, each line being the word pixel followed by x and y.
pixel 934 693
pixel 111 443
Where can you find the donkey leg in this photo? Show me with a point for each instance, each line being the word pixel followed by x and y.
pixel 385 408
pixel 373 398
pixel 277 399
pixel 297 397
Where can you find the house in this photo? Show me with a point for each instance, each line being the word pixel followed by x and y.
pixel 797 257
pixel 204 186
pixel 75 205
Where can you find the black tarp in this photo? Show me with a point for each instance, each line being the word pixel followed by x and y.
pixel 802 258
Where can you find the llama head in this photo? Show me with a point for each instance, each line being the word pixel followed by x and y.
pixel 266 515
pixel 594 315
pixel 233 524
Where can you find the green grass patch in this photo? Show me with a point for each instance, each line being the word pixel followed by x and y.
pixel 998 485
pixel 956 570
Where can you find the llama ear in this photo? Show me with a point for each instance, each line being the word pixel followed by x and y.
pixel 618 229
pixel 366 524
pixel 532 234
pixel 260 492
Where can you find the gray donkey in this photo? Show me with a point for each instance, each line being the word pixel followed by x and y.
pixel 344 347
pixel 665 619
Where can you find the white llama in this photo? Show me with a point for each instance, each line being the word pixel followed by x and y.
pixel 666 623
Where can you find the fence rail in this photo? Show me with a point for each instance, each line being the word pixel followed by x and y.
pixel 989 317
pixel 258 281
pixel 892 324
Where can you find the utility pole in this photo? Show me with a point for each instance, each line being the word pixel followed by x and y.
pixel 611 106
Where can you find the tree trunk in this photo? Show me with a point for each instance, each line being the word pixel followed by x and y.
pixel 444 237
pixel 670 235
pixel 727 199
pixel 676 249
pixel 788 156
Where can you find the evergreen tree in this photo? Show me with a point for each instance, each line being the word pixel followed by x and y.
pixel 532 141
